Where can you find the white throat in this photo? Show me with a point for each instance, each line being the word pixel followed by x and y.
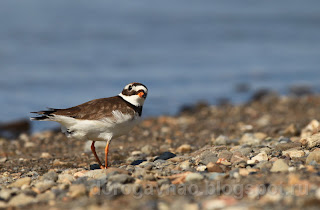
pixel 133 99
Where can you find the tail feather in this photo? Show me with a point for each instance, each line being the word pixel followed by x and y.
pixel 44 115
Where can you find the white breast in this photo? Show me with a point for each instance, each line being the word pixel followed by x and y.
pixel 98 130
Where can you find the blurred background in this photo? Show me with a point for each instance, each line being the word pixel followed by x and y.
pixel 62 53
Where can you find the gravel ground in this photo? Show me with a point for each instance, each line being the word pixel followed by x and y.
pixel 263 154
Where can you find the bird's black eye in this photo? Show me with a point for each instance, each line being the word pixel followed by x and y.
pixel 130 87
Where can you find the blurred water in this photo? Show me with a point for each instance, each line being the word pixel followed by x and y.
pixel 62 53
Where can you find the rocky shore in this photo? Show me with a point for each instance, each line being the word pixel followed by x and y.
pixel 262 154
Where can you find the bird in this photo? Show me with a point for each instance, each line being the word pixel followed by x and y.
pixel 101 119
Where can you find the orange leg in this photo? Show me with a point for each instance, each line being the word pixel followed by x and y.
pixel 93 149
pixel 106 153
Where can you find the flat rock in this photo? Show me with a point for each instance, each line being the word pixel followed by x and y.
pixel 51 175
pixel 294 153
pixel 313 156
pixel 77 190
pixel 213 167
pixel 250 139
pixel 20 182
pixel 165 156
pixel 42 186
pixel 184 148
pixel 21 200
pixel 260 157
pixel 121 178
pixel 286 146
pixel 207 157
pixel 225 154
pixel 194 177
pixel 279 166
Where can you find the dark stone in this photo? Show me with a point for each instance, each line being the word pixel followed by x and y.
pixel 94 166
pixel 165 156
pixel 137 162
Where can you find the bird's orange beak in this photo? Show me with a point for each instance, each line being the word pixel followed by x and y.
pixel 141 94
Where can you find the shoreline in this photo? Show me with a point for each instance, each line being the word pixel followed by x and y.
pixel 261 154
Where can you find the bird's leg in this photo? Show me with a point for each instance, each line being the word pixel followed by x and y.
pixel 93 149
pixel 106 153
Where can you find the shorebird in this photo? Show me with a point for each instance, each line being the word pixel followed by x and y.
pixel 101 119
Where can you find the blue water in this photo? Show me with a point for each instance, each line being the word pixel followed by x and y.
pixel 61 53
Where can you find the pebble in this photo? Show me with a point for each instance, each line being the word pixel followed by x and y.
pixel 225 154
pixel 45 155
pixel 250 139
pixel 313 156
pixel 286 146
pixel 20 182
pixel 51 175
pixel 184 148
pixel 57 162
pixel 165 156
pixel 45 197
pixel 221 140
pixel 194 177
pixel 121 178
pixel 147 149
pixel 311 141
pixel 185 165
pixel 294 153
pixel 213 167
pixel 65 178
pixel 207 157
pixel 42 186
pixel 260 157
pixel 279 166
pixel 6 194
pixel 311 128
pixel 201 168
pixel 21 200
pixel 77 190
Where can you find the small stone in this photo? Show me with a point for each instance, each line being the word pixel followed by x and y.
pixel 286 146
pixel 3 159
pixel 94 166
pixel 312 128
pixel 51 175
pixel 201 168
pixel 279 166
pixel 21 200
pixel 57 162
pixel 42 186
pixel 185 165
pixel 207 157
pixel 65 178
pixel 250 139
pixel 313 156
pixel 45 155
pixel 260 157
pixel 20 182
pixel 260 135
pixel 194 177
pixel 147 149
pixel 29 144
pixel 137 162
pixel 184 148
pixel 294 153
pixel 221 140
pixel 165 156
pixel 6 194
pixel 95 174
pixel 311 141
pixel 213 167
pixel 121 178
pixel 46 197
pixel 291 130
pixel 77 190
pixel 225 154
